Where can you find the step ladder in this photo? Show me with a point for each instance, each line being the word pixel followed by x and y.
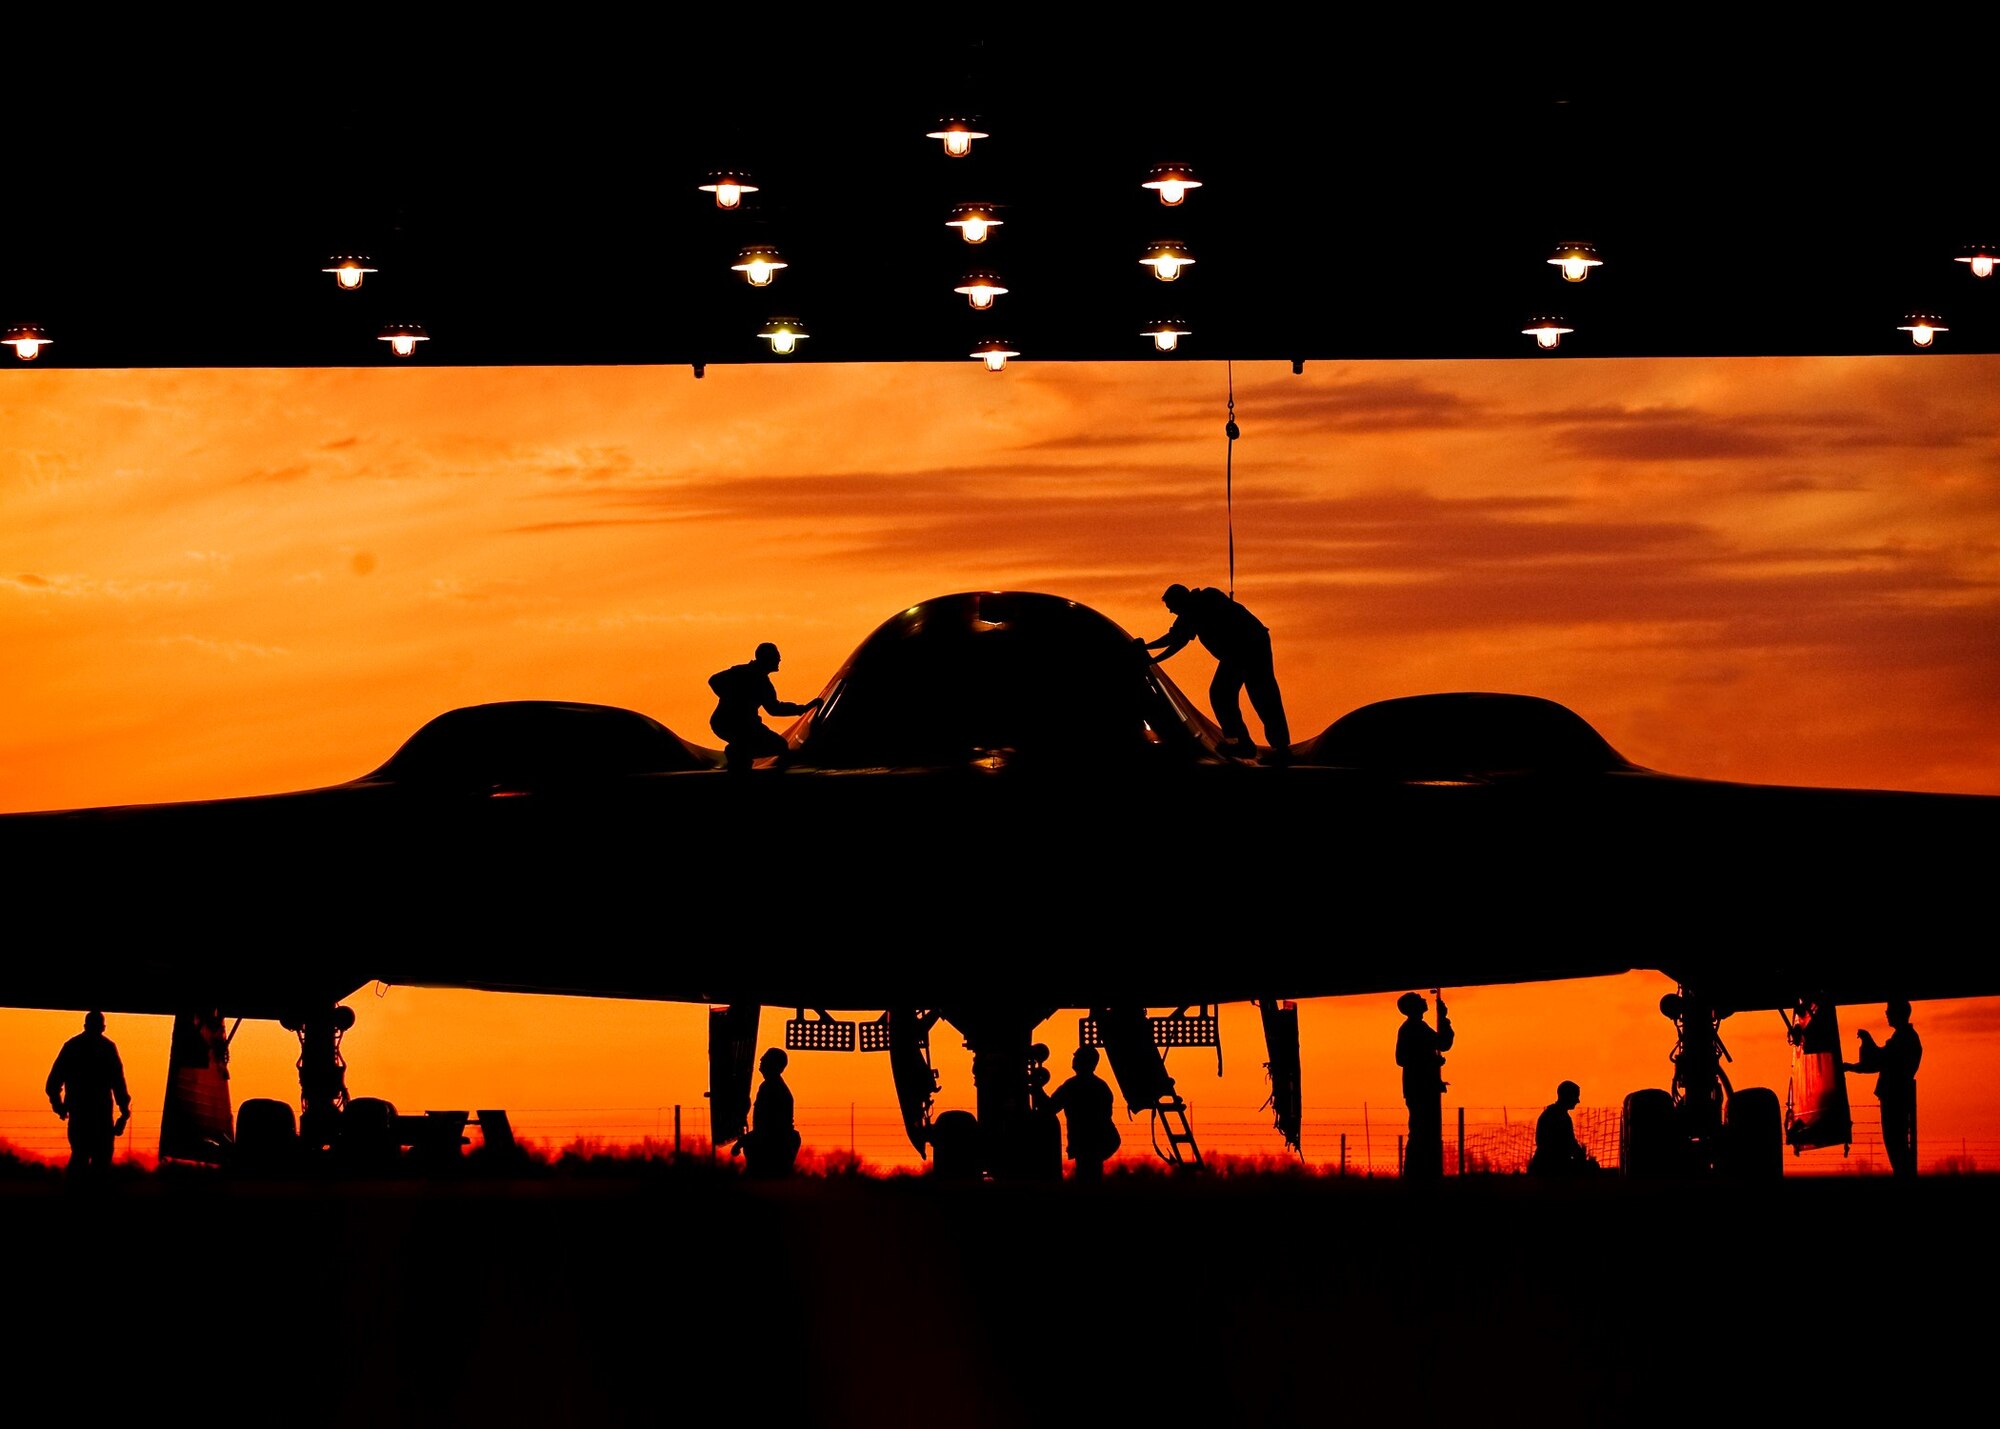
pixel 1172 1113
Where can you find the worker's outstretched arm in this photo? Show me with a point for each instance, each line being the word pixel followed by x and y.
pixel 1168 646
pixel 786 707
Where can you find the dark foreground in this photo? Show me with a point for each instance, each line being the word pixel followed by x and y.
pixel 659 1297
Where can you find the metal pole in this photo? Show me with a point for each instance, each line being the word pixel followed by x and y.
pixel 1461 1141
pixel 1367 1140
pixel 1402 1164
pixel 1343 1153
pixel 850 1128
pixel 677 1129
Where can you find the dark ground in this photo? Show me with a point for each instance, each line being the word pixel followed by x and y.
pixel 655 1296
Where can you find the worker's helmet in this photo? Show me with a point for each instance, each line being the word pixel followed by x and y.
pixel 1899 1012
pixel 1411 1003
pixel 1175 596
pixel 1085 1059
pixel 766 651
pixel 93 1021
pixel 1569 1092
pixel 774 1058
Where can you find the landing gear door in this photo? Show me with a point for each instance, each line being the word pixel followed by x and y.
pixel 1816 1112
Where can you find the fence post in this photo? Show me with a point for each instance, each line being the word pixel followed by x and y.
pixel 677 1130
pixel 1343 1153
pixel 1461 1141
pixel 1400 1162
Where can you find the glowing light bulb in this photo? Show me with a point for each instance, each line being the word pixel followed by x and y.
pixel 994 354
pixel 1171 182
pixel 728 188
pixel 1982 265
pixel 27 348
pixel 1166 341
pixel 784 335
pixel 1547 332
pixel 958 135
pixel 758 272
pixel 1172 193
pixel 728 195
pixel 783 342
pixel 1923 328
pixel 980 289
pixel 348 276
pixel 1167 269
pixel 403 338
pixel 973 230
pixel 1576 260
pixel 348 269
pixel 995 361
pixel 758 265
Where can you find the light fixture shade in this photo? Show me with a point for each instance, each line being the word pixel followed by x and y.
pixel 728 186
pixel 1982 257
pixel 1171 182
pixel 1166 258
pixel 349 269
pixel 1576 260
pixel 1923 328
pixel 994 352
pixel 403 337
pixel 1166 333
pixel 980 289
pixel 27 340
pixel 958 131
pixel 974 221
pixel 1547 331
pixel 758 263
pixel 784 335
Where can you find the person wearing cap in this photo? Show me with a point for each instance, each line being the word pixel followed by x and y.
pixel 1557 1151
pixel 1420 1053
pixel 1895 1066
pixel 1084 1100
pixel 84 1082
pixel 741 692
pixel 1241 645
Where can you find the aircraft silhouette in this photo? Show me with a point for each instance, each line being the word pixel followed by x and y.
pixel 1002 807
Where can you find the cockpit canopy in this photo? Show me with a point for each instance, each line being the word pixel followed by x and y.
pixel 1008 677
pixel 1464 736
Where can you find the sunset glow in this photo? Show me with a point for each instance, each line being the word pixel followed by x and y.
pixel 239 581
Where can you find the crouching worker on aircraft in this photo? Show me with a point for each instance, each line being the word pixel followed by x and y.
pixel 740 692
pixel 771 1144
pixel 1557 1151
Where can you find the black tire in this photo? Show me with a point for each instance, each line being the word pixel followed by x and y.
pixel 368 1139
pixel 267 1135
pixel 1649 1136
pixel 955 1147
pixel 1753 1135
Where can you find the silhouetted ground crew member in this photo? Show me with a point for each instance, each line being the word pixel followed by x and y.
pixel 1041 1134
pixel 1895 1066
pixel 1420 1053
pixel 741 692
pixel 1241 645
pixel 771 1144
pixel 1085 1103
pixel 1557 1151
pixel 87 1078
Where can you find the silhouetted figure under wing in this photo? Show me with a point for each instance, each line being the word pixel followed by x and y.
pixel 87 1078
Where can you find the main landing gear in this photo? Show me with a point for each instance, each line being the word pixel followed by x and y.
pixel 1703 1125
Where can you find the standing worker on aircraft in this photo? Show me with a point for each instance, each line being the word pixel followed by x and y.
pixel 1241 645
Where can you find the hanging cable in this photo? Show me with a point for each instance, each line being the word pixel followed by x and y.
pixel 1229 477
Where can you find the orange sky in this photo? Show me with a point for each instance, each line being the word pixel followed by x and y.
pixel 241 581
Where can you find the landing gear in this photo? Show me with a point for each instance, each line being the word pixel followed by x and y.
pixel 1000 1039
pixel 322 1073
pixel 1703 1124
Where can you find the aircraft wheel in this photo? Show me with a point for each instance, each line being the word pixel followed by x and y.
pixel 267 1134
pixel 1649 1136
pixel 1753 1135
pixel 368 1139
